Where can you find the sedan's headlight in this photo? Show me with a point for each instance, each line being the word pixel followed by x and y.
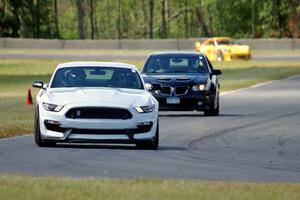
pixel 145 109
pixel 200 87
pixel 52 107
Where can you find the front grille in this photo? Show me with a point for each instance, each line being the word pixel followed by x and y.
pixel 165 90
pixel 139 129
pixel 98 113
pixel 181 90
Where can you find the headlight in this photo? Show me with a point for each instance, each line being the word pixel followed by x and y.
pixel 145 109
pixel 200 87
pixel 52 107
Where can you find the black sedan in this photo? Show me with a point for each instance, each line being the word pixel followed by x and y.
pixel 187 81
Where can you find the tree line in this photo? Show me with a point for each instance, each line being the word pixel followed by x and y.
pixel 137 19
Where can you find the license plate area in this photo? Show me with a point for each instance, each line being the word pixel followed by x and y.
pixel 173 100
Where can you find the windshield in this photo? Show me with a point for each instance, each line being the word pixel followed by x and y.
pixel 174 63
pixel 225 42
pixel 97 77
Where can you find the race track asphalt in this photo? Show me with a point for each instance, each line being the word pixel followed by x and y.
pixel 255 138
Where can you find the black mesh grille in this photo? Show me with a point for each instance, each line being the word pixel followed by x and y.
pixel 165 90
pixel 98 113
pixel 181 90
pixel 139 129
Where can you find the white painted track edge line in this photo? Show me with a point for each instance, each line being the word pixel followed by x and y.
pixel 15 137
pixel 259 85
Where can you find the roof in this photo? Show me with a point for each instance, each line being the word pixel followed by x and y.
pixel 177 53
pixel 96 64
pixel 219 38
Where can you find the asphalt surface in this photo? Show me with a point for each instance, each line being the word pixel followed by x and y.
pixel 112 56
pixel 256 138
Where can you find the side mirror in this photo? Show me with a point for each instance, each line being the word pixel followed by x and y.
pixel 216 72
pixel 38 84
pixel 197 45
pixel 155 86
pixel 148 86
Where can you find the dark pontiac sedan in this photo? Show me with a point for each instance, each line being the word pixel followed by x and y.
pixel 187 81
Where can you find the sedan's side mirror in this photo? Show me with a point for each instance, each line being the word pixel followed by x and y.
pixel 216 72
pixel 155 86
pixel 38 84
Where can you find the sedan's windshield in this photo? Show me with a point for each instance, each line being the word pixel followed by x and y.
pixel 97 77
pixel 174 63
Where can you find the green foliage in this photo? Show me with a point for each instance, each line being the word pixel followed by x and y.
pixel 131 18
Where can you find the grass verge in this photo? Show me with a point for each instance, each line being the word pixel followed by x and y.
pixel 16 76
pixel 25 187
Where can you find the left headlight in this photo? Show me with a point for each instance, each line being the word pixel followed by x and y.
pixel 145 109
pixel 52 107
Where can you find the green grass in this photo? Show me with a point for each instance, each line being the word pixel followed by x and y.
pixel 25 187
pixel 16 76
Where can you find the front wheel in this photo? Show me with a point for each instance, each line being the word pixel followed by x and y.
pixel 152 145
pixel 220 56
pixel 37 133
pixel 213 110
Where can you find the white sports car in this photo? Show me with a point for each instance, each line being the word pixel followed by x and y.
pixel 96 102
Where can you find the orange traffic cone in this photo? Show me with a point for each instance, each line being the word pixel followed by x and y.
pixel 29 98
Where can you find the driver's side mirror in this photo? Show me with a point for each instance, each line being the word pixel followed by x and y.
pixel 216 72
pixel 38 84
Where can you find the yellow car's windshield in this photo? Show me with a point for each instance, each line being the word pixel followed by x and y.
pixel 225 42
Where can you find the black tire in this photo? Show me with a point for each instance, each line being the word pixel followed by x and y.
pixel 213 111
pixel 37 133
pixel 151 145
pixel 220 56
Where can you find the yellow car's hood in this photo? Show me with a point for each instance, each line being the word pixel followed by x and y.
pixel 236 48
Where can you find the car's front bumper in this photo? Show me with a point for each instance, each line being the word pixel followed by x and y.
pixel 57 127
pixel 199 101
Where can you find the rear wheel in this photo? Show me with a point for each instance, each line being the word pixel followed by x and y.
pixel 153 145
pixel 37 133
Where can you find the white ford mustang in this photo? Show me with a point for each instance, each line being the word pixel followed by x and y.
pixel 96 102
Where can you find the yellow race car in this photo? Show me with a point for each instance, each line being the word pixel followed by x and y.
pixel 223 49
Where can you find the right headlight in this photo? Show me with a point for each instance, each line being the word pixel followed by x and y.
pixel 200 87
pixel 52 107
pixel 145 109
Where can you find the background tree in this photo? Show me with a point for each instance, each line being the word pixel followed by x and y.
pixel 92 23
pixel 80 14
pixel 122 19
pixel 164 27
pixel 151 11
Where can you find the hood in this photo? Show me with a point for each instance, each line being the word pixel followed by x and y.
pixel 236 48
pixel 99 96
pixel 176 79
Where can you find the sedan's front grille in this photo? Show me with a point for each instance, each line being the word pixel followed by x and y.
pixel 165 90
pixel 98 113
pixel 181 90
